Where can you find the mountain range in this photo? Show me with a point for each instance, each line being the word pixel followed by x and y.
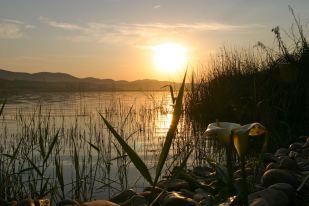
pixel 48 81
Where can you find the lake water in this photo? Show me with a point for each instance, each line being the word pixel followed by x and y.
pixel 101 168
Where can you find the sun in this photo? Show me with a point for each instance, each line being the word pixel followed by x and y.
pixel 169 57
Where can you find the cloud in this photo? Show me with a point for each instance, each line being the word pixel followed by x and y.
pixel 137 33
pixel 13 29
pixel 156 6
pixel 61 25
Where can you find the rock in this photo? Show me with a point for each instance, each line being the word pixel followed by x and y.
pixel 12 203
pixel 206 202
pixel 259 202
pixel 272 165
pixel 269 157
pixel 306 144
pixel 274 176
pixel 99 203
pixel 123 196
pixel 174 185
pixel 270 196
pixel 303 164
pixel 186 193
pixel 202 171
pixel 257 188
pixel 174 198
pixel 305 152
pixel 248 170
pixel 282 152
pixel 286 188
pixel 200 195
pixel 136 200
pixel 293 155
pixel 295 146
pixel 288 163
pixel 67 202
pixel 26 202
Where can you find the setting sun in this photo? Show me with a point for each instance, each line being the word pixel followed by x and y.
pixel 169 57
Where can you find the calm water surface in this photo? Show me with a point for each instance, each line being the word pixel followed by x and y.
pixel 142 118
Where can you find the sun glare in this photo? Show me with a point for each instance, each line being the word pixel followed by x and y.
pixel 169 57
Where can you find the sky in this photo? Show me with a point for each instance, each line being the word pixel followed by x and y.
pixel 114 38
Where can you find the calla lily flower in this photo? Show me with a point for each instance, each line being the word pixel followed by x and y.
pixel 221 130
pixel 241 136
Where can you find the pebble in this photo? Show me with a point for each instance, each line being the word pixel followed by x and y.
pixel 288 163
pixel 174 198
pixel 270 196
pixel 296 146
pixel 274 176
pixel 202 171
pixel 123 196
pixel 259 202
pixel 272 165
pixel 174 185
pixel 282 152
pixel 26 202
pixel 67 202
pixel 136 200
pixel 100 203
pixel 269 157
pixel 286 188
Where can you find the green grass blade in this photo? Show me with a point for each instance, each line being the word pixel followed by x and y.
pixel 171 92
pixel 2 107
pixel 171 131
pixel 51 146
pixel 94 147
pixel 36 168
pixel 136 160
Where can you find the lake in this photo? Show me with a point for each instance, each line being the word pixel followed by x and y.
pixel 86 161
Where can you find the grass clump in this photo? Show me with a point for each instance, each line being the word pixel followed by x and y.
pixel 261 85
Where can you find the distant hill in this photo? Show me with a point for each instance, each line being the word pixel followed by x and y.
pixel 48 81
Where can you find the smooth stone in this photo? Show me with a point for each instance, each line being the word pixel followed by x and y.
pixel 271 196
pixel 206 202
pixel 306 144
pixel 186 193
pixel 259 202
pixel 282 152
pixel 123 196
pixel 202 171
pixel 272 165
pixel 269 157
pixel 26 202
pixel 288 163
pixel 274 176
pixel 100 203
pixel 296 146
pixel 174 185
pixel 305 152
pixel 174 198
pixel 286 188
pixel 293 155
pixel 303 164
pixel 248 171
pixel 136 200
pixel 67 202
pixel 12 203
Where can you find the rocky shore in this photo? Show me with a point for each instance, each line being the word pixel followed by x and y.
pixel 283 180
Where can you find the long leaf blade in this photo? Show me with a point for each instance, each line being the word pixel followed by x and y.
pixel 2 107
pixel 171 131
pixel 136 160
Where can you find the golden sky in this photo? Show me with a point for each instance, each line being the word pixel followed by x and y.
pixel 132 39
